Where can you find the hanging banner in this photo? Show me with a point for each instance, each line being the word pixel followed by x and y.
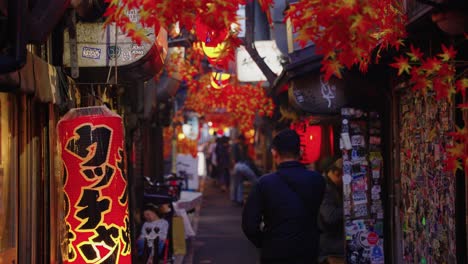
pixel 96 200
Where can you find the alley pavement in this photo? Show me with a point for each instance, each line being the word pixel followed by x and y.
pixel 219 237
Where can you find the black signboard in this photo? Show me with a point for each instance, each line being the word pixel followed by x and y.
pixel 315 95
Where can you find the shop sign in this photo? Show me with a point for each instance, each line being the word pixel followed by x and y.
pixel 187 167
pixel 96 201
pixel 101 46
pixel 315 95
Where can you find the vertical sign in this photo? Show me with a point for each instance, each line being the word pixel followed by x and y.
pixel 96 200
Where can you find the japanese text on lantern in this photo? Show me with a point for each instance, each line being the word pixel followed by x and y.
pixel 97 222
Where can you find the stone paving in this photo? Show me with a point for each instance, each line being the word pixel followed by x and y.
pixel 219 237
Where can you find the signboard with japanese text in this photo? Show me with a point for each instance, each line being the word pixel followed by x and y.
pixel 315 95
pixel 91 142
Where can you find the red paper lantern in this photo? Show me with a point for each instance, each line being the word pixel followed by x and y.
pixel 219 79
pixel 311 141
pixel 96 200
pixel 211 37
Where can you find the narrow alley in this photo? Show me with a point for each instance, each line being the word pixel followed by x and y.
pixel 219 237
pixel 348 119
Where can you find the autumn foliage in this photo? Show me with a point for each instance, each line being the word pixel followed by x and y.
pixel 347 32
pixel 216 15
pixel 240 103
pixel 437 75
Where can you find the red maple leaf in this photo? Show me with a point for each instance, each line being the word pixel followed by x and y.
pixel 461 134
pixel 452 164
pixel 422 84
pixel 402 65
pixel 431 65
pixel 265 5
pixel 415 54
pixel 457 150
pixel 461 85
pixel 331 67
pixel 448 53
pixel 441 88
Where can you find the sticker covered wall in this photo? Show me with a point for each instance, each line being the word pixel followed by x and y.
pixel 360 143
pixel 427 207
pixel 96 202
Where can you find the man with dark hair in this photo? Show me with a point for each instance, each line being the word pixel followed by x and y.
pixel 287 203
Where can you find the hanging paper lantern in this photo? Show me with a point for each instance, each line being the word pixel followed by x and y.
pixel 219 79
pixel 211 37
pixel 96 200
pixel 311 140
pixel 213 52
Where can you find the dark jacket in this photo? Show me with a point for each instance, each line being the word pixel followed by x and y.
pixel 239 152
pixel 222 155
pixel 290 233
pixel 331 221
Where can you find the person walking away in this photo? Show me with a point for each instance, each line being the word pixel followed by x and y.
pixel 239 149
pixel 240 156
pixel 213 159
pixel 243 170
pixel 331 222
pixel 223 162
pixel 281 212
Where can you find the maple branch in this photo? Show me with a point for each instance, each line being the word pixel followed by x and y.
pixel 250 45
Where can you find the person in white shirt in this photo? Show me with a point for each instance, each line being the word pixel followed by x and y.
pixel 154 227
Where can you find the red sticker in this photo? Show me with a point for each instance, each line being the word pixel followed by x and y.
pixel 372 238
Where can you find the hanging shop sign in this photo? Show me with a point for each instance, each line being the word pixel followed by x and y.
pixel 101 46
pixel 360 143
pixel 96 199
pixel 315 95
